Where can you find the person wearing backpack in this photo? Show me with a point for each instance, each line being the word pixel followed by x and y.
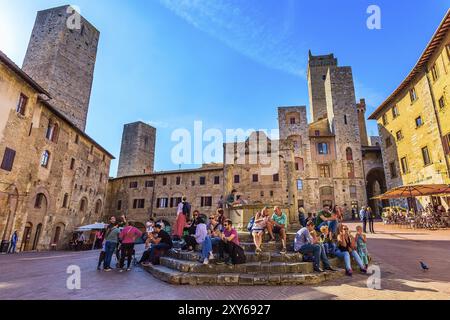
pixel 230 244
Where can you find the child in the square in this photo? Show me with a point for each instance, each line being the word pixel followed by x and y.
pixel 326 240
pixel 361 245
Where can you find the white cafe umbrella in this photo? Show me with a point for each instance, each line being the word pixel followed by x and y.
pixel 95 226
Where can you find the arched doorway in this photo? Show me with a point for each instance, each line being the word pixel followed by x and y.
pixel 26 237
pixel 376 185
pixel 37 235
pixel 58 235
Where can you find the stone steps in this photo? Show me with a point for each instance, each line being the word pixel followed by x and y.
pixel 176 277
pixel 250 255
pixel 249 267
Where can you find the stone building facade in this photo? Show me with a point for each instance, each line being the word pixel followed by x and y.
pixel 61 57
pixel 137 153
pixel 414 122
pixel 328 161
pixel 158 194
pixel 53 176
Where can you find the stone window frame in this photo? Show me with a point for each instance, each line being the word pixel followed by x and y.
pixel 413 95
pixel 276 177
pixel 178 180
pixel 65 201
pixel 434 70
pixel 384 119
pixel 8 159
pixel 300 185
pixel 299 164
pixel 237 178
pixel 353 190
pixel 395 112
pixel 441 102
pixel 324 170
pixel 206 201
pixel 202 181
pixel 419 125
pixel 393 170
pixel 404 165
pixel 138 203
pixel 52 133
pixel 45 159
pixel 255 178
pixel 22 104
pixel 321 150
pixel 399 135
pixel 216 180
pixel 426 151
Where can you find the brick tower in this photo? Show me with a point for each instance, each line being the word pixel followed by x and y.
pixel 361 108
pixel 137 153
pixel 61 57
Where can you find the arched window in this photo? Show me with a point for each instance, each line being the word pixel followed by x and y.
pixel 65 200
pixel 40 198
pixel 83 205
pixel 349 154
pixel 45 159
pixel 52 131
pixel 98 206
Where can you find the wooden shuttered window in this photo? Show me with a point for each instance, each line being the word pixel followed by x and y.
pixel 8 159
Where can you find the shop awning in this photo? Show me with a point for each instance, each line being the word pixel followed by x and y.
pixel 412 191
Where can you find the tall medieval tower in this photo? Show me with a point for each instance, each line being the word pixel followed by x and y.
pixel 318 67
pixel 137 153
pixel 61 58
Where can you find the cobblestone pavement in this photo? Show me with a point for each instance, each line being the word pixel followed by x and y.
pixel 397 251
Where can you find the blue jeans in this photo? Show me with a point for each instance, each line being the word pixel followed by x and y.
pixel 215 241
pixel 346 256
pixel 325 223
pixel 318 252
pixel 110 247
pixel 332 226
pixel 12 249
pixel 330 248
pixel 206 247
pixel 302 220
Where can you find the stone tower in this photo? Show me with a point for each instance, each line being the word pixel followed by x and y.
pixel 61 58
pixel 318 67
pixel 137 153
pixel 361 108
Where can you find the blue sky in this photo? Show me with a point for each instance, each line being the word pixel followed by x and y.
pixel 228 63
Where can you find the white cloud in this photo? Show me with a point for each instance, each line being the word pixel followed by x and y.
pixel 266 39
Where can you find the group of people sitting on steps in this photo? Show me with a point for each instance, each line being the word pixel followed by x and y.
pixel 328 236
pixel 213 232
pixel 319 238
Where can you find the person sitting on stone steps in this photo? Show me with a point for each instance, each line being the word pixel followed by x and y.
pixel 279 219
pixel 191 243
pixel 258 228
pixel 160 240
pixel 202 237
pixel 304 243
pixel 229 243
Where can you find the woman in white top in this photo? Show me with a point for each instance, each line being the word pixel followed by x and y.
pixel 258 229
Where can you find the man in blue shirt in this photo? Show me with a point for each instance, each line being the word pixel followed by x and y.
pixel 363 217
pixel 305 244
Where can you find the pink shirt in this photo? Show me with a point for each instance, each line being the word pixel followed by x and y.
pixel 129 234
pixel 229 233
